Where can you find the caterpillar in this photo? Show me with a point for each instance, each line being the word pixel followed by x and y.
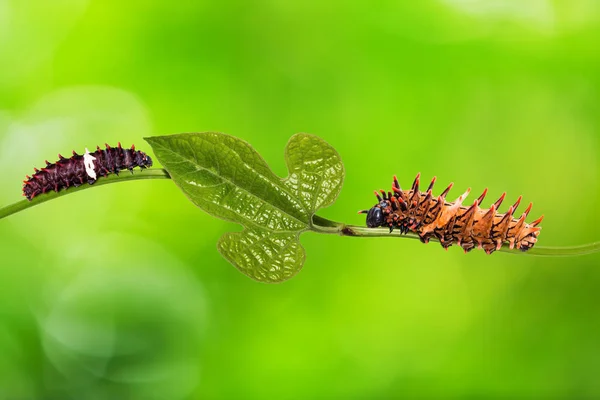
pixel 78 169
pixel 451 222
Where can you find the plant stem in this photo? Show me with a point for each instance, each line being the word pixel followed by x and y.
pixel 324 225
pixel 319 224
pixel 113 178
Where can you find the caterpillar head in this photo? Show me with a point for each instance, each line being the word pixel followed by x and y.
pixel 388 211
pixel 377 215
pixel 143 160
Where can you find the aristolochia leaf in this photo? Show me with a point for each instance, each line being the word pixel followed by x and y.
pixel 227 178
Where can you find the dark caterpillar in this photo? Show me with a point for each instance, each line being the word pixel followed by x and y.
pixel 78 169
pixel 451 222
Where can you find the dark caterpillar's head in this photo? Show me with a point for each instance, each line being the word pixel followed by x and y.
pixel 142 159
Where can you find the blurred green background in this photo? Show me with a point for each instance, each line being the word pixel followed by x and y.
pixel 119 292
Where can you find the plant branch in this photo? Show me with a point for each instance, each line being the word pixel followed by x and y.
pixel 319 224
pixel 112 178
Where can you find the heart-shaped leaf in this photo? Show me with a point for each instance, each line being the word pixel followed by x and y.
pixel 227 178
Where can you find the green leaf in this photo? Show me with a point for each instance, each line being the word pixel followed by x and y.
pixel 227 178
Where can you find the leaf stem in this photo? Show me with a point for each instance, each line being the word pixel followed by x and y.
pixel 324 225
pixel 113 178
pixel 320 224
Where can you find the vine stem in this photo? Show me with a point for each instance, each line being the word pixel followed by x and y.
pixel 324 225
pixel 154 173
pixel 319 224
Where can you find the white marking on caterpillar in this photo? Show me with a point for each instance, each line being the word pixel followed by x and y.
pixel 88 162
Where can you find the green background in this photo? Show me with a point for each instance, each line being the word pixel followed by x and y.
pixel 119 292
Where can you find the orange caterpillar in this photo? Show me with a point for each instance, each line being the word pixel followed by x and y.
pixel 451 222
